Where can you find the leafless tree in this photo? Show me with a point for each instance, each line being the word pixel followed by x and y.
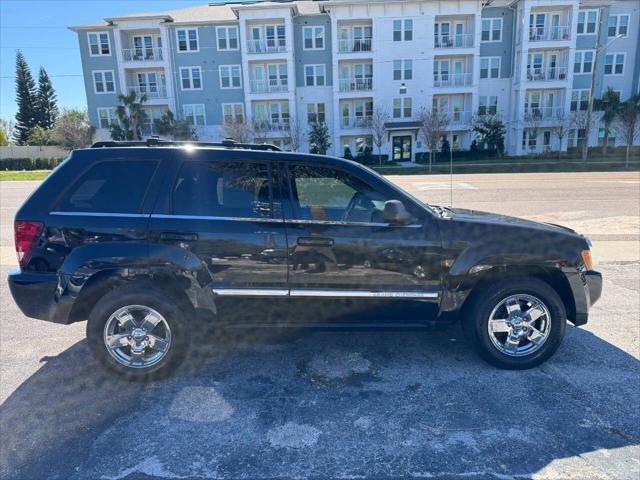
pixel 238 130
pixel 627 124
pixel 433 125
pixel 563 124
pixel 7 127
pixel 378 129
pixel 260 129
pixel 294 134
pixel 583 120
pixel 531 122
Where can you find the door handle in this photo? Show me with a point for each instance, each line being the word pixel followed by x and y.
pixel 179 237
pixel 315 242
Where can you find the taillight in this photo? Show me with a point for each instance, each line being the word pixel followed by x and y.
pixel 26 234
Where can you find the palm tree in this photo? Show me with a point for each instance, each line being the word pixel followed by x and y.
pixel 610 106
pixel 131 114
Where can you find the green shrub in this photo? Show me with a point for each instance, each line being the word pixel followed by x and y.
pixel 16 164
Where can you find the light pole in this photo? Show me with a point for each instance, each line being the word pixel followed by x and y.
pixel 585 145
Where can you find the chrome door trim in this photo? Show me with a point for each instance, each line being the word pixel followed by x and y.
pixel 359 293
pixel 354 224
pixel 251 292
pixel 207 217
pixel 100 214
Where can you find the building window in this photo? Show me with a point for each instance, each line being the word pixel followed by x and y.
pixel 587 22
pixel 233 112
pixel 103 81
pixel 402 69
pixel 227 38
pixel 491 29
pixel 107 117
pixel 187 39
pixel 191 78
pixel 583 62
pixel 489 67
pixel 230 76
pixel 614 64
pixel 313 38
pixel 618 25
pixel 488 105
pixel 529 139
pixel 579 100
pixel 402 30
pixel 402 107
pixel 314 75
pixel 99 44
pixel 611 140
pixel 316 113
pixel 194 114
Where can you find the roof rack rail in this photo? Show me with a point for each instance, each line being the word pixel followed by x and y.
pixel 156 142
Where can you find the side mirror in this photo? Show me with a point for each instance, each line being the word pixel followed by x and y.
pixel 395 213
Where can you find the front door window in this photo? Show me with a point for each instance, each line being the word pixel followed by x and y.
pixel 402 148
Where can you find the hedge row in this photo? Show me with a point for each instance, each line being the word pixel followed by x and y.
pixel 29 163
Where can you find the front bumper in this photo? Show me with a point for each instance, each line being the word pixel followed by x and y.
pixel 587 289
pixel 35 295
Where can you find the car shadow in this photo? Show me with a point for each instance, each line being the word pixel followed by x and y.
pixel 268 403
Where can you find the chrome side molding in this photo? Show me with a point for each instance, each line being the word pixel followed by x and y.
pixel 277 292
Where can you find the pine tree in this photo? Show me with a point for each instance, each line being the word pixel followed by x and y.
pixel 45 103
pixel 25 96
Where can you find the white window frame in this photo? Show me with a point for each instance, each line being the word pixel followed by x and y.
pixel 234 114
pixel 104 82
pixel 403 29
pixel 579 95
pixel 489 68
pixel 487 104
pixel 613 65
pixel 312 109
pixel 582 61
pixel 403 69
pixel 230 68
pixel 586 21
pixel 226 29
pixel 617 27
pixel 315 75
pixel 111 116
pixel 491 21
pixel 193 106
pixel 313 29
pixel 190 70
pixel 97 34
pixel 189 49
pixel 403 107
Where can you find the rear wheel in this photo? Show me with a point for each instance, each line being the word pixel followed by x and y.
pixel 137 333
pixel 517 323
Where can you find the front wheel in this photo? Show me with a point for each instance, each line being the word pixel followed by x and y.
pixel 517 323
pixel 137 333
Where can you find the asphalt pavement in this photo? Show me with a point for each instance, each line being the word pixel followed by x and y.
pixel 348 404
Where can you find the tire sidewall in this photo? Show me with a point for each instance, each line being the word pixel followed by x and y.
pixel 493 296
pixel 122 297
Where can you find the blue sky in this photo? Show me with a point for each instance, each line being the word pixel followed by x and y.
pixel 39 29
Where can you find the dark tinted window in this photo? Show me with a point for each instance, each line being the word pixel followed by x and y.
pixel 223 189
pixel 110 187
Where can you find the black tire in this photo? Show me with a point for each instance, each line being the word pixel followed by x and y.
pixel 482 305
pixel 144 295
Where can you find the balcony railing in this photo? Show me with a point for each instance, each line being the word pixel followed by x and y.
pixel 460 40
pixel 540 34
pixel 356 84
pixel 355 122
pixel 158 91
pixel 348 45
pixel 453 80
pixel 271 125
pixel 267 86
pixel 142 54
pixel 549 74
pixel 267 46
pixel 543 113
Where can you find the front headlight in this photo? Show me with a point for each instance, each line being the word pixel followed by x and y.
pixel 586 258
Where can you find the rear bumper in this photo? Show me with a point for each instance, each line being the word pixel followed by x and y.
pixel 35 295
pixel 587 289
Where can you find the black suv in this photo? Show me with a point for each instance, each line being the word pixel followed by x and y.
pixel 143 239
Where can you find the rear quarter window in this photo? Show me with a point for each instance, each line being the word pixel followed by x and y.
pixel 110 187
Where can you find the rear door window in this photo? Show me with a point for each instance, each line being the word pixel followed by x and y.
pixel 223 189
pixel 110 187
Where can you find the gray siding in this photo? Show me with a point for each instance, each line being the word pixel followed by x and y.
pixel 89 64
pixel 503 49
pixel 303 57
pixel 209 58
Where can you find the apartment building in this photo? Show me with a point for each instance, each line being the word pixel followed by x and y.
pixel 277 63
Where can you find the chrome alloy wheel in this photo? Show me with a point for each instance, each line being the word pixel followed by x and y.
pixel 519 325
pixel 137 336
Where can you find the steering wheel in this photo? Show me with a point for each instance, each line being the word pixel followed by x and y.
pixel 357 199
